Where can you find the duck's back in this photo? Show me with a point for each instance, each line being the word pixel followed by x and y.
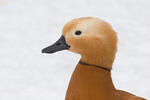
pixel 127 96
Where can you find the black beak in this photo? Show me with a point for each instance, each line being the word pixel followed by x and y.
pixel 57 46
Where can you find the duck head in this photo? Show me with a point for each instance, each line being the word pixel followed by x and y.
pixel 92 38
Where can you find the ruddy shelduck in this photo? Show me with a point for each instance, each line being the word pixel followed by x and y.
pixel 96 42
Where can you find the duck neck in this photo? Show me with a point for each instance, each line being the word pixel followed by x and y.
pixel 99 60
pixel 90 83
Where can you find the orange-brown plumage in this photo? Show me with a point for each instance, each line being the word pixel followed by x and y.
pixel 96 42
pixel 97 45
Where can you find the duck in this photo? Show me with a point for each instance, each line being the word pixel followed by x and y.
pixel 96 41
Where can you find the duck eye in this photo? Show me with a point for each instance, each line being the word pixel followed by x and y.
pixel 78 32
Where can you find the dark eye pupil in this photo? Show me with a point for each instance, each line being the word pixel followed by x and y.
pixel 78 32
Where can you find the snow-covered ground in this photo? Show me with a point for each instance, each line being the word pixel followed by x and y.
pixel 26 26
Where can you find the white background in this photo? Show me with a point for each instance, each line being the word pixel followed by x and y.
pixel 27 26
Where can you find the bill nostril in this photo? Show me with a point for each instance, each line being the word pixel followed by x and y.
pixel 58 44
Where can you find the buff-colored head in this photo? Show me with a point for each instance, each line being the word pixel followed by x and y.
pixel 93 39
